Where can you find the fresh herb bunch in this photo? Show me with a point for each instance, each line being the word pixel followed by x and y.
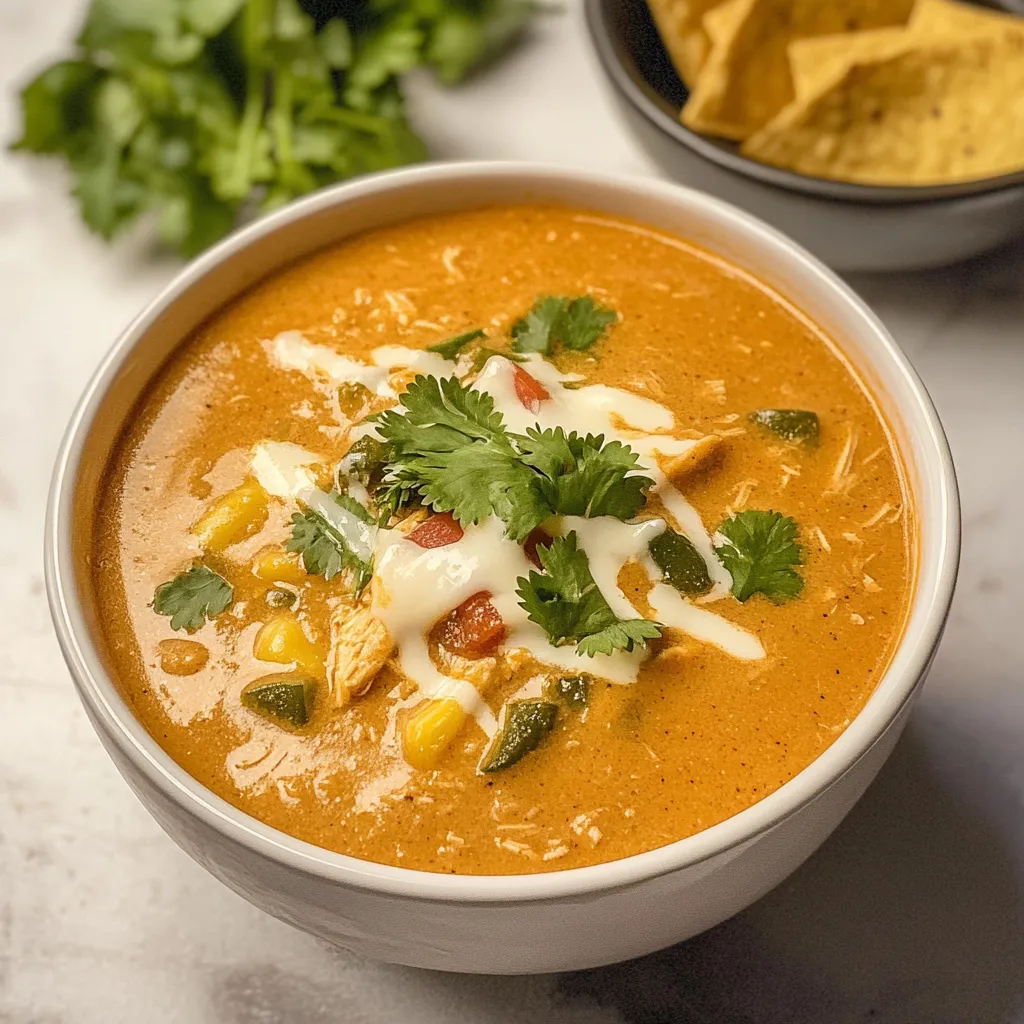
pixel 193 111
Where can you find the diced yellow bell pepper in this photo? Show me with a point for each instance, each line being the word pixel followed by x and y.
pixel 277 566
pixel 281 640
pixel 232 517
pixel 430 730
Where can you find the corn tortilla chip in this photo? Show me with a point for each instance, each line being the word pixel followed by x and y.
pixel 817 61
pixel 721 21
pixel 937 113
pixel 953 20
pixel 746 79
pixel 680 27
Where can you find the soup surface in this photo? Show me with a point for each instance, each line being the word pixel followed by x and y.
pixel 384 598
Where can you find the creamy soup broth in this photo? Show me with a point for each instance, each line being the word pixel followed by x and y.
pixel 700 735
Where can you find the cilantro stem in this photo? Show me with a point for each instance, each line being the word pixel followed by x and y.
pixel 257 19
pixel 281 117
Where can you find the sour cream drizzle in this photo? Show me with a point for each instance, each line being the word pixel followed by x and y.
pixel 417 587
pixel 293 351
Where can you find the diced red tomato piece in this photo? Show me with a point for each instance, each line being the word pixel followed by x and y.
pixel 537 538
pixel 474 629
pixel 437 531
pixel 529 390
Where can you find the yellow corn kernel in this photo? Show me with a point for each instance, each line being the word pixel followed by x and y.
pixel 282 641
pixel 232 517
pixel 429 732
pixel 277 566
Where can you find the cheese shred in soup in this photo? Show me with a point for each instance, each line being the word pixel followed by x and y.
pixel 512 540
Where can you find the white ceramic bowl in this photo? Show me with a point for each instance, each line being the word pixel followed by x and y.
pixel 559 920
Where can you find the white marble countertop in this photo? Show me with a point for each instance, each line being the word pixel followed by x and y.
pixel 913 913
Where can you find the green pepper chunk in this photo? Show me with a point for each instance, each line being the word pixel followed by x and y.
pixel 798 426
pixel 353 399
pixel 285 697
pixel 573 691
pixel 363 461
pixel 681 563
pixel 527 722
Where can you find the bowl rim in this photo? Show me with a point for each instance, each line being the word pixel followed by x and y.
pixel 626 79
pixel 113 719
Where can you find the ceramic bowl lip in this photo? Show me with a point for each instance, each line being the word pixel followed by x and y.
pixel 117 725
pixel 627 80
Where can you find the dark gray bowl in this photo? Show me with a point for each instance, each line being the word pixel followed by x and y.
pixel 851 227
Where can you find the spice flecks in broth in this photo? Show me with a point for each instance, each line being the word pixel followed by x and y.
pixel 732 699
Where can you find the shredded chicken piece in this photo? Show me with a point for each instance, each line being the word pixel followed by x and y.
pixel 678 467
pixel 411 521
pixel 483 673
pixel 360 645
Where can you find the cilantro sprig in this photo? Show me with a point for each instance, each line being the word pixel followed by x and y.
pixel 761 551
pixel 192 111
pixel 452 347
pixel 449 448
pixel 554 319
pixel 192 597
pixel 567 604
pixel 324 549
pixel 583 476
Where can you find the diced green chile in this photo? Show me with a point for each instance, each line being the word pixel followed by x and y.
pixel 353 398
pixel 798 426
pixel 681 563
pixel 527 722
pixel 363 461
pixel 285 698
pixel 573 691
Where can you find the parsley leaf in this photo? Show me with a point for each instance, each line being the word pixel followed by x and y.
pixel 193 597
pixel 583 476
pixel 760 550
pixel 325 550
pixel 575 323
pixel 567 604
pixel 451 348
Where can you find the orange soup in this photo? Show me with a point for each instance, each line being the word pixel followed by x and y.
pixel 512 540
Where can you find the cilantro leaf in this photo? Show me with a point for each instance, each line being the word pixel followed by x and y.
pixel 575 323
pixel 761 552
pixel 620 636
pixel 583 476
pixel 533 333
pixel 441 416
pixel 567 604
pixel 466 36
pixel 325 550
pixel 450 449
pixel 193 597
pixel 451 348
pixel 585 321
